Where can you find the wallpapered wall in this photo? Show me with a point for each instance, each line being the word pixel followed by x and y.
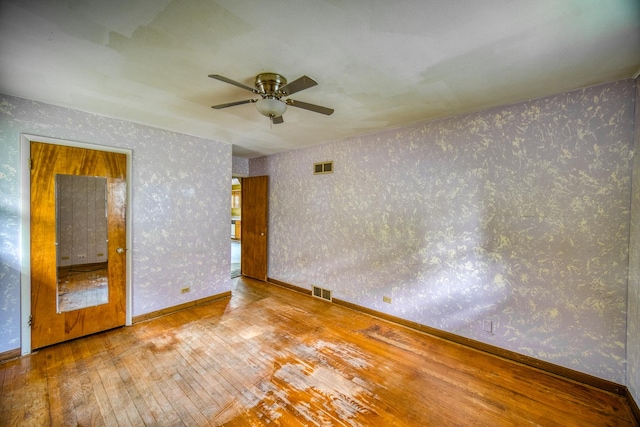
pixel 633 317
pixel 518 215
pixel 180 206
pixel 240 166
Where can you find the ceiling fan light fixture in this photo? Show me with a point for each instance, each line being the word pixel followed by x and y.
pixel 271 107
pixel 272 87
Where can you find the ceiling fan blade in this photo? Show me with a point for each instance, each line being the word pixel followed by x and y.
pixel 233 104
pixel 277 120
pixel 233 82
pixel 302 83
pixel 310 107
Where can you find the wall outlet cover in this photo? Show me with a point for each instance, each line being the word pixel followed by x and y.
pixel 487 326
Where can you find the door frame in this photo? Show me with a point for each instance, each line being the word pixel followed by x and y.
pixel 238 176
pixel 25 229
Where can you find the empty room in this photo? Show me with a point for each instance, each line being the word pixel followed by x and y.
pixel 315 213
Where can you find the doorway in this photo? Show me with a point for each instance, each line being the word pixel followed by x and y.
pixel 236 227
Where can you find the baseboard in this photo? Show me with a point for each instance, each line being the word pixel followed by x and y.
pixel 11 354
pixel 477 345
pixel 173 309
pixel 634 406
pixel 289 286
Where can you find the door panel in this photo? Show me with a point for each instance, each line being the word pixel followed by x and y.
pixel 255 215
pixel 48 325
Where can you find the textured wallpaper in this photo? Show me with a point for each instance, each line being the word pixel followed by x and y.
pixel 633 319
pixel 240 166
pixel 180 206
pixel 518 215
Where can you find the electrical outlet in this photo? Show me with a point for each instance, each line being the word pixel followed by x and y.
pixel 185 290
pixel 386 299
pixel 487 326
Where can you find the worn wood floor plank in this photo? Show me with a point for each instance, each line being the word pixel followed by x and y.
pixel 146 379
pixel 11 405
pixel 35 396
pixel 104 408
pixel 270 356
pixel 60 404
pixel 84 365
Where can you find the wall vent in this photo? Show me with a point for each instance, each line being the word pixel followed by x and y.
pixel 321 293
pixel 323 168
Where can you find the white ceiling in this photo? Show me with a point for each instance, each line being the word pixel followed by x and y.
pixel 380 64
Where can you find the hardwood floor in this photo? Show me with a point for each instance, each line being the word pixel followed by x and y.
pixel 270 356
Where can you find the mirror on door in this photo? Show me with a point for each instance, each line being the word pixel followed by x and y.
pixel 81 241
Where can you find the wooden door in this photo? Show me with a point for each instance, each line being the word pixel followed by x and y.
pixel 255 214
pixel 49 326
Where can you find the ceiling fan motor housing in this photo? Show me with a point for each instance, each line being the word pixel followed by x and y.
pixel 270 84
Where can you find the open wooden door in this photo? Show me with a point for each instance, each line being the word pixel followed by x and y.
pixel 52 322
pixel 255 216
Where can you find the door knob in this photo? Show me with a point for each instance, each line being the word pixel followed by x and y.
pixel 120 250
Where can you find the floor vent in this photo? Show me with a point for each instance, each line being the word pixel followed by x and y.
pixel 321 293
pixel 322 168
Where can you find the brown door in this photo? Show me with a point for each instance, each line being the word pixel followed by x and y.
pixel 50 324
pixel 255 213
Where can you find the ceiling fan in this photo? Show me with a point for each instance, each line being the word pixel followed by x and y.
pixel 272 88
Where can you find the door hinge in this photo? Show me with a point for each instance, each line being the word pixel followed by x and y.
pixel 31 320
pixel 30 164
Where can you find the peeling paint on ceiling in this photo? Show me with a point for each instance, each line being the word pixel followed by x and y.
pixel 379 64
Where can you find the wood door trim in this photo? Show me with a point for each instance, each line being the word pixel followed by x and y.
pixel 25 228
